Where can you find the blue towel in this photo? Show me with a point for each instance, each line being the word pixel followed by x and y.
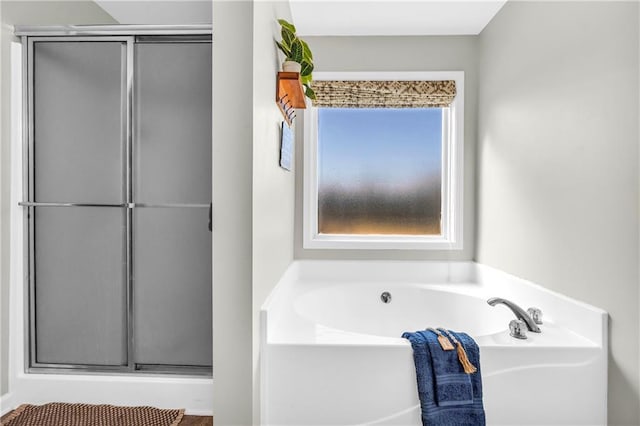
pixel 448 396
pixel 453 389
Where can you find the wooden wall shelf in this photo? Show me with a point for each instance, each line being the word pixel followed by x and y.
pixel 289 95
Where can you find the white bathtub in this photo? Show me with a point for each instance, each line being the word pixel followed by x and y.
pixel 331 352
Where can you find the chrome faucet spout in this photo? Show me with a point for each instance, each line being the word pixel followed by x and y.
pixel 518 312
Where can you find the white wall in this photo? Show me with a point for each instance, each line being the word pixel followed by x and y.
pixel 253 235
pixel 232 207
pixel 5 182
pixel 12 13
pixel 452 53
pixel 159 12
pixel 273 187
pixel 558 163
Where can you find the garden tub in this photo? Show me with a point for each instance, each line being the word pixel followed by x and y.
pixel 331 351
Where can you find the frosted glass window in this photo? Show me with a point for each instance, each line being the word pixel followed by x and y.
pixel 379 171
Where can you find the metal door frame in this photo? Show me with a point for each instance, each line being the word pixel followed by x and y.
pixel 129 35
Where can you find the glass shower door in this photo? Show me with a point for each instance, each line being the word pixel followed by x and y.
pixel 118 198
pixel 172 192
pixel 78 214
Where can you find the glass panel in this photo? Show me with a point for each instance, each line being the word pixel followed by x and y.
pixel 172 292
pixel 78 125
pixel 80 286
pixel 379 171
pixel 173 123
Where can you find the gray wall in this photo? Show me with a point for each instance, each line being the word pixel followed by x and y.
pixel 273 187
pixel 457 53
pixel 232 186
pixel 253 235
pixel 558 163
pixel 12 13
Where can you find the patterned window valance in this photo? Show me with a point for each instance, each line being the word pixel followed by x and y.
pixel 383 94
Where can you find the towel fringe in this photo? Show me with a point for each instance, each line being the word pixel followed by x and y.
pixel 464 359
pixel 462 354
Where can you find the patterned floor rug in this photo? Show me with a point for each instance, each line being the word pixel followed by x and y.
pixel 62 414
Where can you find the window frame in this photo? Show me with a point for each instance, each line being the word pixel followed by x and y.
pixel 452 174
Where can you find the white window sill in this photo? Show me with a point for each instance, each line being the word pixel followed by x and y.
pixel 381 242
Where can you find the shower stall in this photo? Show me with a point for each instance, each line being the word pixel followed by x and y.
pixel 117 200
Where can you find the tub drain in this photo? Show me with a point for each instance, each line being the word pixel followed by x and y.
pixel 385 297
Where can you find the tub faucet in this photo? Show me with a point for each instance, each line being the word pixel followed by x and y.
pixel 518 311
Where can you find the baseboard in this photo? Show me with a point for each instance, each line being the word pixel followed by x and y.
pixel 7 403
pixel 198 412
pixel 195 394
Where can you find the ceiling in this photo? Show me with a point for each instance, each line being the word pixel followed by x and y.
pixel 389 17
pixel 331 17
pixel 176 12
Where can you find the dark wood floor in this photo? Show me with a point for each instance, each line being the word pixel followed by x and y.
pixel 197 421
pixel 186 420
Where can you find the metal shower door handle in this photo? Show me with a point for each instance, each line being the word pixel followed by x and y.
pixel 210 217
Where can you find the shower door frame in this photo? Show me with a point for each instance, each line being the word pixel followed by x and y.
pixel 129 35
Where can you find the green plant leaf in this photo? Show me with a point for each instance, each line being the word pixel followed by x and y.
pixel 287 25
pixel 309 93
pixel 307 68
pixel 288 37
pixel 296 51
pixel 284 50
pixel 308 56
pixel 305 79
